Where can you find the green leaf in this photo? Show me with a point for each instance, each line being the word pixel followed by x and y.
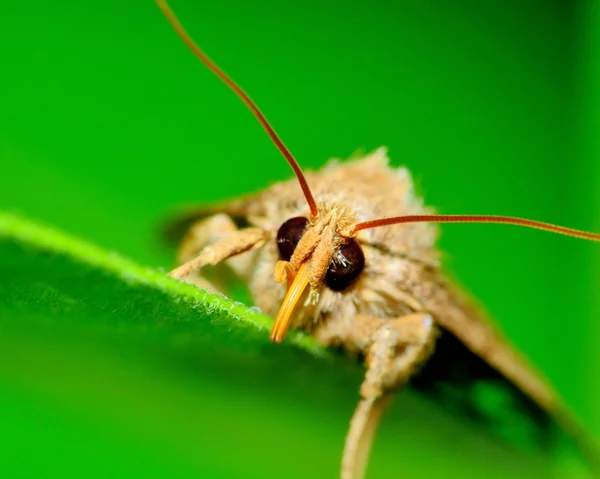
pixel 85 271
pixel 110 369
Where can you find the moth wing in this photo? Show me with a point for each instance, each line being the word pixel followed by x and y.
pixel 466 385
pixel 478 373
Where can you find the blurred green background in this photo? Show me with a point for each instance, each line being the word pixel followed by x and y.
pixel 107 122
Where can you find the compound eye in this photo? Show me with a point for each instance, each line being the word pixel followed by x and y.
pixel 346 266
pixel 289 235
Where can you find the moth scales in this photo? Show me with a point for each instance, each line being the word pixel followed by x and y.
pixel 359 270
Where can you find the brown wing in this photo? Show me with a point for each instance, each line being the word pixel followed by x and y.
pixel 473 352
pixel 465 385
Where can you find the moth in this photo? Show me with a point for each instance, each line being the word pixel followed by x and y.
pixel 348 254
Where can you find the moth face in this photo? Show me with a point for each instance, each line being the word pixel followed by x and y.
pixel 347 261
pixel 320 253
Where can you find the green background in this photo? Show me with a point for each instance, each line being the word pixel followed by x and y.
pixel 107 122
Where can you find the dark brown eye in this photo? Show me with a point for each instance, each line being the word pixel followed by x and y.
pixel 289 235
pixel 346 266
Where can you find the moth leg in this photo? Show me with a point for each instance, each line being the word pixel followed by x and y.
pixel 203 233
pixel 200 234
pixel 211 241
pixel 393 353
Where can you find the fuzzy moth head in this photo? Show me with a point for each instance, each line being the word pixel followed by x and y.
pixel 315 253
pixel 321 250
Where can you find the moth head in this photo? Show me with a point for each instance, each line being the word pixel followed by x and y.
pixel 337 264
pixel 321 250
pixel 315 253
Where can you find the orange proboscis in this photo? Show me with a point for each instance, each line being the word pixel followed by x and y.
pixel 284 271
pixel 283 320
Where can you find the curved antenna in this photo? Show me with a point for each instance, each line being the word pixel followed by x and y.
pixel 509 220
pixel 164 7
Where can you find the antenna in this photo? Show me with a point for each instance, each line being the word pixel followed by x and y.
pixel 509 220
pixel 164 7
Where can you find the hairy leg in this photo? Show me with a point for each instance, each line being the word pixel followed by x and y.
pixel 211 241
pixel 393 349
